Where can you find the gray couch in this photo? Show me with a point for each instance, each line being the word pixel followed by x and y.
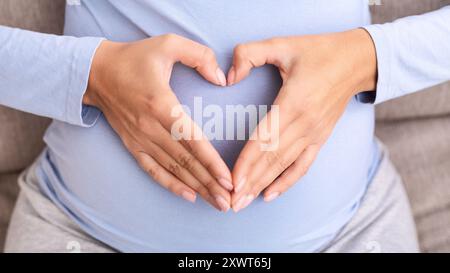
pixel 416 128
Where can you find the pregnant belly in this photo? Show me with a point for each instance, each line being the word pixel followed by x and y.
pixel 96 180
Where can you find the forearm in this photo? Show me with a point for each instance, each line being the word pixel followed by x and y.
pixel 413 53
pixel 44 74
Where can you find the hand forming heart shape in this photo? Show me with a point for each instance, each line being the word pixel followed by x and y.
pixel 320 75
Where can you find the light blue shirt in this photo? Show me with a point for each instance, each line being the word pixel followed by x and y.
pixel 87 172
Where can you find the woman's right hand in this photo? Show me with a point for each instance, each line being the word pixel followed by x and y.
pixel 129 83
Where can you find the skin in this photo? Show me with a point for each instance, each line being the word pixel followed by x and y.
pixel 129 83
pixel 321 73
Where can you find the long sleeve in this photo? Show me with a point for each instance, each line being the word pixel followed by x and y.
pixel 413 53
pixel 46 75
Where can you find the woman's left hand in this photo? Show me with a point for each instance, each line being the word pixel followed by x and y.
pixel 321 73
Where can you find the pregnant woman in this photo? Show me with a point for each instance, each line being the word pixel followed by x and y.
pixel 112 174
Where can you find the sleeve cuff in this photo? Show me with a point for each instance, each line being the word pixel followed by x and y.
pixel 384 89
pixel 76 112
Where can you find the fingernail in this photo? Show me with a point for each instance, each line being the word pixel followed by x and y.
pixel 226 183
pixel 271 196
pixel 239 204
pixel 224 205
pixel 243 202
pixel 231 76
pixel 188 196
pixel 221 77
pixel 248 200
pixel 240 184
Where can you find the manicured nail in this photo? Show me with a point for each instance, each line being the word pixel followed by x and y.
pixel 221 77
pixel 271 196
pixel 240 184
pixel 239 204
pixel 231 76
pixel 226 183
pixel 224 205
pixel 189 196
pixel 248 200
pixel 243 202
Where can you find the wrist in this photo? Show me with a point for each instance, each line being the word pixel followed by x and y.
pixel 364 64
pixel 98 75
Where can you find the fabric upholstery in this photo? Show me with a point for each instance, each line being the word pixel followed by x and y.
pixel 37 15
pixel 420 149
pixel 20 139
pixel 8 193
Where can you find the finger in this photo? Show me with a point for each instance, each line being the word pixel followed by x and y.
pixel 164 178
pixel 265 137
pixel 260 141
pixel 289 177
pixel 274 163
pixel 175 158
pixel 209 157
pixel 266 170
pixel 183 129
pixel 251 55
pixel 201 58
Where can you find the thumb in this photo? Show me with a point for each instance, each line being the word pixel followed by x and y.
pixel 201 58
pixel 252 55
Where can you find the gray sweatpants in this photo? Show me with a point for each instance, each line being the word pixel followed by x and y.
pixel 383 223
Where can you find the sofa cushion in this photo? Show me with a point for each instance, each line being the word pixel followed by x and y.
pixel 420 149
pixel 20 139
pixel 431 102
pixel 8 193
pixel 434 101
pixel 37 15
